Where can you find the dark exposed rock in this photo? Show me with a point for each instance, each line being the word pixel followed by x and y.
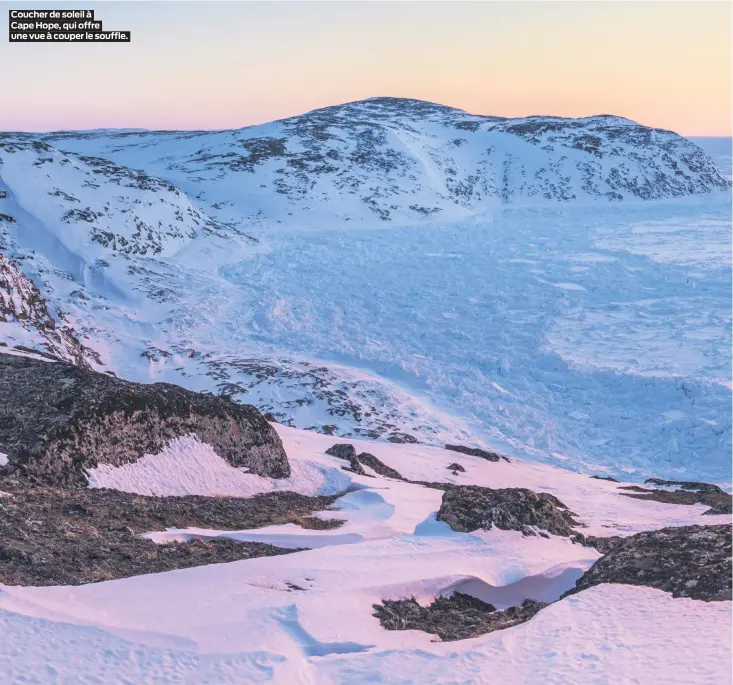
pixel 355 467
pixel 342 451
pixel 53 536
pixel 66 419
pixel 603 545
pixel 378 466
pixel 456 468
pixel 719 501
pixel 88 563
pixel 613 480
pixel 475 452
pixel 434 485
pixel 400 437
pixel 689 561
pixel 347 453
pixel 457 617
pixel 468 508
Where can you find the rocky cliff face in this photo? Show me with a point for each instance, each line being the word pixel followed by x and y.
pixel 25 319
pixel 59 420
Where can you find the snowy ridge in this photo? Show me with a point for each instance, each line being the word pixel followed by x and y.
pixel 399 161
pixel 25 320
pixel 95 206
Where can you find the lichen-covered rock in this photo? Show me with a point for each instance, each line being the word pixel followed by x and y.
pixel 399 437
pixel 689 561
pixel 719 501
pixel 342 451
pixel 476 452
pixel 470 507
pixel 355 467
pixel 347 453
pixel 457 617
pixel 378 466
pixel 61 536
pixel 58 420
pixel 602 544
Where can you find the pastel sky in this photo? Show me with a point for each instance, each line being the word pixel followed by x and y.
pixel 217 65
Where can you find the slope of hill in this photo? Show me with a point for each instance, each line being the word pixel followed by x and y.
pixel 530 326
pixel 398 161
pixel 313 616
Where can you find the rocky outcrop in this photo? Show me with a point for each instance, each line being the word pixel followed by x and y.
pixel 58 420
pixel 468 508
pixel 455 468
pixel 22 304
pixel 690 561
pixel 342 451
pixel 602 544
pixel 378 466
pixel 475 452
pixel 358 461
pixel 347 453
pixel 719 501
pixel 56 536
pixel 457 617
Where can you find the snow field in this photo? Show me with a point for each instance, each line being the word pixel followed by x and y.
pixel 307 617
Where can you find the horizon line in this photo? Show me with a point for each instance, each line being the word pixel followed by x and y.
pixel 144 129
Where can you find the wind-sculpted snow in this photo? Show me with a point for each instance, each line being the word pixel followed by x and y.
pixel 307 616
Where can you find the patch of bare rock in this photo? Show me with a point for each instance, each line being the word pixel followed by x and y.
pixel 466 508
pixel 689 561
pixel 357 462
pixel 685 492
pixel 475 452
pixel 64 536
pixel 457 617
pixel 58 420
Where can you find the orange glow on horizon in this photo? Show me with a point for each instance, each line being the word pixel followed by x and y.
pixel 663 64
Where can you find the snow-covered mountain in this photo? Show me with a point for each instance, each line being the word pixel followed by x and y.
pixel 182 256
pixel 91 204
pixel 545 323
pixel 400 161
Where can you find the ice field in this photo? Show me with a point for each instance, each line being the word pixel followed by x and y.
pixel 590 337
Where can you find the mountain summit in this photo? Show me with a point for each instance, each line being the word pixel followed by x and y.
pixel 403 161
